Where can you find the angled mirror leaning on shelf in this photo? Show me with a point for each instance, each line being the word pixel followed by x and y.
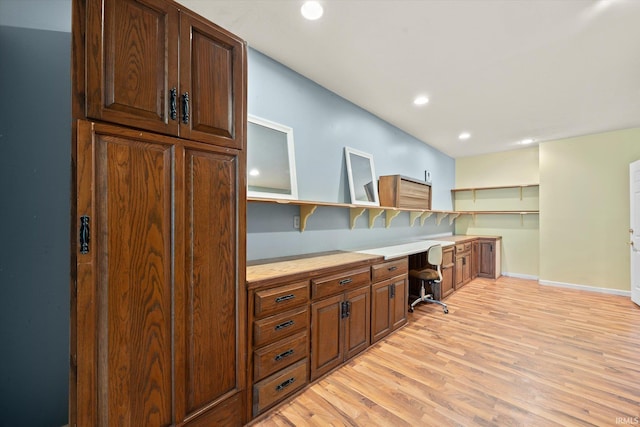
pixel 271 167
pixel 363 185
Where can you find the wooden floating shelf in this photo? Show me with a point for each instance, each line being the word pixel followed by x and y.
pixel 307 208
pixel 501 187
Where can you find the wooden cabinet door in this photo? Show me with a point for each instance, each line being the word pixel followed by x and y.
pixel 212 70
pixel 398 303
pixel 358 322
pixel 487 259
pixel 125 278
pixel 210 308
pixel 131 59
pixel 459 267
pixel 447 284
pixel 326 335
pixel 475 259
pixel 380 310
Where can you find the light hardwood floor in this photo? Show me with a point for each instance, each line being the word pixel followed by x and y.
pixel 509 353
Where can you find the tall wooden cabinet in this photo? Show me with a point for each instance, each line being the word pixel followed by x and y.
pixel 158 321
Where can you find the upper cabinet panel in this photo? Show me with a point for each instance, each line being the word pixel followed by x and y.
pixel 212 67
pixel 132 63
pixel 152 66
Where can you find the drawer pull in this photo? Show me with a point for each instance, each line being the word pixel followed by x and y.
pixel 394 268
pixel 285 298
pixel 283 355
pixel 284 325
pixel 285 384
pixel 346 281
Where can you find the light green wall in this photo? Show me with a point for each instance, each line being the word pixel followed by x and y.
pixel 584 209
pixel 520 235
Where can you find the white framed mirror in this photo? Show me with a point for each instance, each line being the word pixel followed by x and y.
pixel 361 174
pixel 271 165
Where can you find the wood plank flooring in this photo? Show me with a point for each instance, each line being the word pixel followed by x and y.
pixel 509 353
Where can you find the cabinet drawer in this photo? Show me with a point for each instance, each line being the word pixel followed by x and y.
pixel 463 247
pixel 277 300
pixel 389 269
pixel 280 326
pixel 330 285
pixel 279 355
pixel 278 386
pixel 447 258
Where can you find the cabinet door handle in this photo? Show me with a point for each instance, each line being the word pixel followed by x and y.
pixel 348 304
pixel 284 325
pixel 346 281
pixel 394 268
pixel 392 291
pixel 283 355
pixel 285 298
pixel 343 310
pixel 185 108
pixel 285 384
pixel 173 112
pixel 85 234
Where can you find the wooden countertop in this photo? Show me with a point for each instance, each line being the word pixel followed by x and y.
pixel 303 267
pixel 463 238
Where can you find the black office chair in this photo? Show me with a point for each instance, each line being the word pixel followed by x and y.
pixel 430 276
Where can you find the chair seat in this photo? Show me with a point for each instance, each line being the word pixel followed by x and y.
pixel 425 274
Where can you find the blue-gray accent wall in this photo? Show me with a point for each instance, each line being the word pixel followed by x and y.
pixel 323 124
pixel 35 182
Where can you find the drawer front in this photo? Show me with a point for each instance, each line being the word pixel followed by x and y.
pixel 277 300
pixel 460 247
pixel 414 195
pixel 467 246
pixel 389 269
pixel 275 388
pixel 279 326
pixel 331 285
pixel 279 355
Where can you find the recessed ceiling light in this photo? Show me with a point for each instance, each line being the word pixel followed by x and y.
pixel 421 100
pixel 464 135
pixel 527 141
pixel 311 10
pixel 254 172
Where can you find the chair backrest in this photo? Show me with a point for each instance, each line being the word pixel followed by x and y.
pixel 434 257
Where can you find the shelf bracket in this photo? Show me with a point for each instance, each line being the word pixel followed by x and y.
pixel 453 216
pixel 413 216
pixel 305 212
pixel 474 195
pixel 520 193
pixel 354 214
pixel 373 214
pixel 389 215
pixel 440 217
pixel 424 217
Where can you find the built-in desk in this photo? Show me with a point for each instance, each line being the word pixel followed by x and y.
pixel 309 314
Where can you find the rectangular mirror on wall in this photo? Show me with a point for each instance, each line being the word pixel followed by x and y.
pixel 363 185
pixel 271 166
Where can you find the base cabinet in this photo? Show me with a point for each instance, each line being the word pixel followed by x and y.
pixel 339 329
pixel 462 264
pixel 489 264
pixel 389 294
pixel 448 272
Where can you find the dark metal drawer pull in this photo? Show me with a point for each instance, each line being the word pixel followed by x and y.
pixel 285 298
pixel 85 234
pixel 285 384
pixel 283 355
pixel 394 268
pixel 346 281
pixel 284 325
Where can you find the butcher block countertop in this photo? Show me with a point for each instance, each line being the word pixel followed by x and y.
pixel 269 271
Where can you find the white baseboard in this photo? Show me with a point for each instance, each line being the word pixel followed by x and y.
pixel 521 276
pixel 585 288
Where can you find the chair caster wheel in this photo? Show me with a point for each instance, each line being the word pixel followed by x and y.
pixel 410 309
pixel 446 310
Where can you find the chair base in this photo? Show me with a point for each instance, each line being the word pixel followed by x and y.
pixel 424 297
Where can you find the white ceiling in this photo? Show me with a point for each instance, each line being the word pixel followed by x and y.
pixel 503 70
